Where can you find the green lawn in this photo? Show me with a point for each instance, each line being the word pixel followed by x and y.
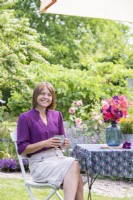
pixel 14 189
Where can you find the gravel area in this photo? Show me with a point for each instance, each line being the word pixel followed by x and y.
pixel 105 187
pixel 17 175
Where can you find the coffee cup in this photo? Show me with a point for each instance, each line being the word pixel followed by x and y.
pixel 61 137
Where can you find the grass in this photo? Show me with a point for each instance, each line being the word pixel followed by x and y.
pixel 14 189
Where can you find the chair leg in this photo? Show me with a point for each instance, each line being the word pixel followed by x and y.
pixel 58 195
pixel 30 193
pixel 53 191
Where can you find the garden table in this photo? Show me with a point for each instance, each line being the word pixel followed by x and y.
pixel 99 159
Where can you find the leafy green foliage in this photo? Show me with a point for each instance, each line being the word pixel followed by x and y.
pixel 74 40
pixel 72 84
pixel 89 55
pixel 20 46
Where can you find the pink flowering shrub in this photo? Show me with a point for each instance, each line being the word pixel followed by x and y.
pixel 97 120
pixel 90 122
pixel 87 121
pixel 77 113
pixel 116 108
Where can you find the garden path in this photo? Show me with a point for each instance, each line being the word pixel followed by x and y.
pixel 112 188
pixel 104 187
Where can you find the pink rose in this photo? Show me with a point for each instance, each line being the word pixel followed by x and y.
pixel 96 117
pixel 78 121
pixel 100 122
pixel 71 110
pixel 79 103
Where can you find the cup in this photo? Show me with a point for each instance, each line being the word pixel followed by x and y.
pixel 61 137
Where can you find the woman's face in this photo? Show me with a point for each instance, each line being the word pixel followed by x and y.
pixel 44 99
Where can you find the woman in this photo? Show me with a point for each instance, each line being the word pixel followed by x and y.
pixel 36 129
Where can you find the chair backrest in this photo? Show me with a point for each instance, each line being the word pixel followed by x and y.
pixel 20 158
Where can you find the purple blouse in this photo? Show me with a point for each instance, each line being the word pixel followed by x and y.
pixel 31 128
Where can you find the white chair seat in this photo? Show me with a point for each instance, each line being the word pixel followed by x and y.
pixel 40 185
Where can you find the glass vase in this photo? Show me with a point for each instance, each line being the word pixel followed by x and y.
pixel 113 135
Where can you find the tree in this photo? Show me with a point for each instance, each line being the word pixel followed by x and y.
pixel 20 45
pixel 75 39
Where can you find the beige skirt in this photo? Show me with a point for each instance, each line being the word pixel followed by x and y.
pixel 50 166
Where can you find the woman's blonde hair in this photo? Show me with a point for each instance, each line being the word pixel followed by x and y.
pixel 38 89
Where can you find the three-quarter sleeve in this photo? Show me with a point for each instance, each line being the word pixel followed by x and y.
pixel 61 125
pixel 22 134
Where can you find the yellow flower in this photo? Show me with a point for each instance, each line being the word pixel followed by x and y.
pixel 122 120
pixel 131 120
pixel 126 125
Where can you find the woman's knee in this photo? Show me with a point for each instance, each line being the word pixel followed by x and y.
pixel 76 167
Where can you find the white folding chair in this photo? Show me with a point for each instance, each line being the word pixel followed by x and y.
pixel 31 184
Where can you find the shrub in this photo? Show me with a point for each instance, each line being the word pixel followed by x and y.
pixel 12 164
pixel 86 123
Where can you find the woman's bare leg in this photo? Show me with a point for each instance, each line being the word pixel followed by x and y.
pixel 71 182
pixel 79 194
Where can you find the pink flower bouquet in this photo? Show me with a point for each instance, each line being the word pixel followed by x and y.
pixel 114 109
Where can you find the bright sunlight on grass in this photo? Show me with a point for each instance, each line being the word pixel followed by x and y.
pixel 14 189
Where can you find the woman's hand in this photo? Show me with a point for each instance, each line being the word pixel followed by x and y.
pixel 66 142
pixel 52 142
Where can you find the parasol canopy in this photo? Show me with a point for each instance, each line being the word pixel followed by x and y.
pixel 121 10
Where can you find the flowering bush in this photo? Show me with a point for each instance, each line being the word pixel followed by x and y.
pixel 114 109
pixel 78 114
pixel 89 123
pixel 11 164
pixel 126 125
pixel 8 164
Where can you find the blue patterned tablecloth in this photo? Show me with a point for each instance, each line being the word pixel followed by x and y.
pixel 105 162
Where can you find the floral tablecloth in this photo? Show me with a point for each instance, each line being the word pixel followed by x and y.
pixel 104 162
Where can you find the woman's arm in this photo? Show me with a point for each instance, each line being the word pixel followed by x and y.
pixel 50 143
